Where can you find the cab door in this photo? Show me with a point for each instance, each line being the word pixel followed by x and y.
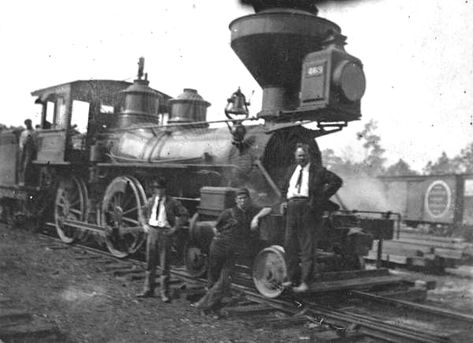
pixel 52 136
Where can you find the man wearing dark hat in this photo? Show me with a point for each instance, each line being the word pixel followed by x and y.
pixel 232 235
pixel 307 190
pixel 164 215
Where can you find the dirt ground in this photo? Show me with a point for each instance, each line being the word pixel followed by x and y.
pixel 90 305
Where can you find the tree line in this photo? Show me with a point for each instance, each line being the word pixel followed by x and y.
pixel 374 162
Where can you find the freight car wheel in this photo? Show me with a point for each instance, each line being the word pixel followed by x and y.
pixel 122 215
pixel 70 204
pixel 269 271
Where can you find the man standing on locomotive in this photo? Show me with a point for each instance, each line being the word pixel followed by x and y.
pixel 232 237
pixel 164 215
pixel 28 148
pixel 308 187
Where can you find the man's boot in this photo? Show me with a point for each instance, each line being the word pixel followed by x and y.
pixel 148 289
pixel 165 289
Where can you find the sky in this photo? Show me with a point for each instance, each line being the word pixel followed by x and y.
pixel 417 56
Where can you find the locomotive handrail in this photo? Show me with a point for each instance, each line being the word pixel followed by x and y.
pixel 154 126
pixel 268 178
pixel 167 165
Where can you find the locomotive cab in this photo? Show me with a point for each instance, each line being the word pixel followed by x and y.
pixel 72 114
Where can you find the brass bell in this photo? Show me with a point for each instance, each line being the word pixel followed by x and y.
pixel 237 105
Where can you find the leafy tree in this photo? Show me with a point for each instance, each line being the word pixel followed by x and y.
pixel 443 165
pixel 401 167
pixel 465 159
pixel 373 164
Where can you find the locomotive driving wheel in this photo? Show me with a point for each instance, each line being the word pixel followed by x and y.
pixel 269 271
pixel 70 204
pixel 122 215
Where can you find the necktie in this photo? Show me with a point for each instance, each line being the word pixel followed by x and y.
pixel 299 181
pixel 157 209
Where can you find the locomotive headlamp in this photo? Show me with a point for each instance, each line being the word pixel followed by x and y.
pixel 332 82
pixel 350 80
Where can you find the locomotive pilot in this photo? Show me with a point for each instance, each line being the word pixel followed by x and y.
pixel 308 186
pixel 232 237
pixel 164 215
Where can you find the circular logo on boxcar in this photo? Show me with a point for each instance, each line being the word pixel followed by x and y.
pixel 438 198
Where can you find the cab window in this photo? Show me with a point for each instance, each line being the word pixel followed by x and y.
pixel 80 116
pixel 50 106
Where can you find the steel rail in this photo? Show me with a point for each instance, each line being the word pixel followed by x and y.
pixel 369 326
pixel 372 327
pixel 414 306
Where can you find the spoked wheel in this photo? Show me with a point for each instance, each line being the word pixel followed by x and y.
pixel 196 260
pixel 71 204
pixel 122 215
pixel 269 271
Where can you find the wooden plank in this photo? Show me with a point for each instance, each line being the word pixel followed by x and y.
pixel 326 286
pixel 388 258
pixel 410 246
pixel 416 236
pixel 448 253
pixel 397 259
pixel 412 294
pixel 435 244
pixel 399 251
pixel 352 274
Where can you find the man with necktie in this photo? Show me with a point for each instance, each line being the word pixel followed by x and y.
pixel 308 186
pixel 163 216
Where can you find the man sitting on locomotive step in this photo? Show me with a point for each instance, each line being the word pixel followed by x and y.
pixel 232 236
pixel 309 186
pixel 164 215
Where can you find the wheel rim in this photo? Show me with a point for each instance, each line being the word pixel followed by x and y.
pixel 71 199
pixel 196 260
pixel 122 215
pixel 269 271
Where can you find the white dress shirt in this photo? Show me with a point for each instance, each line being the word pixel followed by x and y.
pixel 303 190
pixel 160 219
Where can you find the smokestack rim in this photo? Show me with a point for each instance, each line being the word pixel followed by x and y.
pixel 285 14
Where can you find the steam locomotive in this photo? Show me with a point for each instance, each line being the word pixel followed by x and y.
pixel 102 142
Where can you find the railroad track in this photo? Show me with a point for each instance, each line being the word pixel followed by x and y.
pixel 346 321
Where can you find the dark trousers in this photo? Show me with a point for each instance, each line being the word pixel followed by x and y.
pixel 300 244
pixel 221 262
pixel 157 242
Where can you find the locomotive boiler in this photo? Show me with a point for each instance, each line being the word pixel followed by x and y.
pixel 102 142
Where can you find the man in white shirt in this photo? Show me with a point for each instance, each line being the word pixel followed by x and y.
pixel 308 187
pixel 164 215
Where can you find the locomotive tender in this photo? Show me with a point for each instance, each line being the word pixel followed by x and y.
pixel 102 142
